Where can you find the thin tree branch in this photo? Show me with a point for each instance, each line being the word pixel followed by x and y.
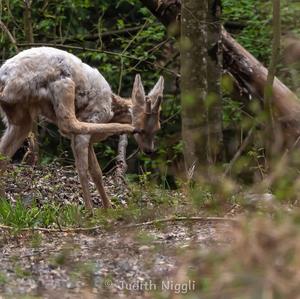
pixel 10 36
pixel 97 227
pixel 239 152
pixel 268 91
pixel 124 51
pixel 97 36
pixel 179 219
pixel 71 47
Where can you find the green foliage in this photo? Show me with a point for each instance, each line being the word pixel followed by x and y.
pixel 233 113
pixel 122 38
pixel 20 272
pixel 256 17
pixel 290 10
pixel 3 279
pixel 100 29
pixel 20 216
pixel 142 206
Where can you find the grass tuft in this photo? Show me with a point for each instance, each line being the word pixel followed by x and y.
pixel 18 215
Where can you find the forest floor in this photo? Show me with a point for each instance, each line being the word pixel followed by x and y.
pixel 114 259
pixel 104 264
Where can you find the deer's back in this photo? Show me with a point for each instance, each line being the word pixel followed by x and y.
pixel 26 78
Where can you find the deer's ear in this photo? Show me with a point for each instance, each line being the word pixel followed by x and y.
pixel 158 89
pixel 138 92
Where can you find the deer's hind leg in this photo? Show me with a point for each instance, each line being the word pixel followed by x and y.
pixel 13 137
pixel 96 174
pixel 63 101
pixel 19 123
pixel 80 147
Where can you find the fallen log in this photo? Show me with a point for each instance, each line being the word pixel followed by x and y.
pixel 249 72
pixel 244 67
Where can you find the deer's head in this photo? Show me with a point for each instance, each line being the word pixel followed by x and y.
pixel 145 113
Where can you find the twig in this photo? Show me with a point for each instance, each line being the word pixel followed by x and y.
pixel 121 74
pixel 151 51
pixel 283 161
pixel 148 223
pixel 51 230
pixel 124 51
pixel 71 47
pixel 170 117
pixel 239 152
pixel 99 31
pixel 61 46
pixel 96 36
pixel 12 18
pixel 132 154
pixel 172 59
pixel 177 219
pixel 135 37
pixel 114 158
pixel 10 36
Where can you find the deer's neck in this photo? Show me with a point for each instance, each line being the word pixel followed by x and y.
pixel 122 110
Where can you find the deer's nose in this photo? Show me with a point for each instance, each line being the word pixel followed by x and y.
pixel 148 152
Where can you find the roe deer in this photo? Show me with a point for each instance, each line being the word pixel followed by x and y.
pixel 61 88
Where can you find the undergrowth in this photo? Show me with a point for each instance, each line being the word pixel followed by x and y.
pixel 146 202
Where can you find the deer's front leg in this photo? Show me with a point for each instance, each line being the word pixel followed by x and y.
pixel 96 175
pixel 80 147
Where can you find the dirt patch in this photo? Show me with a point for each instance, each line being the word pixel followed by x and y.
pixel 105 263
pixel 51 183
pixel 112 262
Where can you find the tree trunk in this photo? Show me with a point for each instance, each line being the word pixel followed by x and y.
pixel 214 76
pixel 28 21
pixel 247 70
pixel 271 147
pixel 166 11
pixel 194 85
